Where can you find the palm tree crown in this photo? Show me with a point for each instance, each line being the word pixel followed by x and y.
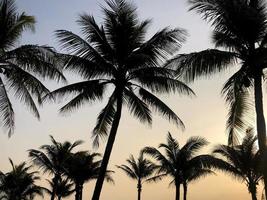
pixel 51 159
pixel 19 65
pixel 117 56
pixel 181 164
pixel 139 170
pixel 243 162
pixel 19 183
pixel 82 167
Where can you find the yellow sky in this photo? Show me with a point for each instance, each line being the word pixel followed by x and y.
pixel 204 115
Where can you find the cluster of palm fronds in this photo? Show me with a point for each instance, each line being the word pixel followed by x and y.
pixel 70 170
pixel 116 58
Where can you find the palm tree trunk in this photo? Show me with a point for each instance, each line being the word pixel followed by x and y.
pixel 109 146
pixel 261 127
pixel 77 191
pixel 185 190
pixel 81 191
pixel 177 191
pixel 253 196
pixel 139 189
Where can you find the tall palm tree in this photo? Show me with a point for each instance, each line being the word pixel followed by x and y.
pixel 64 188
pixel 19 183
pixel 82 167
pixel 240 38
pixel 139 170
pixel 117 56
pixel 243 162
pixel 20 65
pixel 181 164
pixel 51 159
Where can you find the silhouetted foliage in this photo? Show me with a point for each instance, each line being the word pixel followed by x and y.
pixel 51 159
pixel 19 183
pixel 116 55
pixel 243 162
pixel 181 164
pixel 139 170
pixel 20 65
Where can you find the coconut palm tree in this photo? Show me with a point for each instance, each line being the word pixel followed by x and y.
pixel 19 66
pixel 181 164
pixel 51 159
pixel 243 162
pixel 116 55
pixel 19 183
pixel 64 188
pixel 235 45
pixel 82 167
pixel 139 170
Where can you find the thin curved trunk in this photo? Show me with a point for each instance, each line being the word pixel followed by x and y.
pixel 185 190
pixel 261 127
pixel 139 189
pixel 81 191
pixel 253 190
pixel 77 191
pixel 109 146
pixel 177 191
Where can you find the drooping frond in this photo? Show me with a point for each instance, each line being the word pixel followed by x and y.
pixel 160 107
pixel 104 121
pixel 12 23
pixel 204 63
pixel 7 113
pixel 137 107
pixel 237 96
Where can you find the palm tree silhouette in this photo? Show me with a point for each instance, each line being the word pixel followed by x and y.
pixel 236 45
pixel 243 162
pixel 82 167
pixel 20 65
pixel 51 159
pixel 19 183
pixel 139 170
pixel 181 164
pixel 116 55
pixel 64 188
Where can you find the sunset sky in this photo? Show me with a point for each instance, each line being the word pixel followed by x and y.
pixel 204 115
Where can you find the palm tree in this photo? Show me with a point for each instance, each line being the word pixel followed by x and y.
pixel 116 55
pixel 20 65
pixel 82 167
pixel 139 170
pixel 19 183
pixel 243 162
pixel 240 38
pixel 64 188
pixel 181 164
pixel 51 159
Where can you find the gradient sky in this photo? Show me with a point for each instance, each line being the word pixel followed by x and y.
pixel 204 115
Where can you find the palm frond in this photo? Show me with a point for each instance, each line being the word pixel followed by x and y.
pixel 160 107
pixel 104 120
pixel 137 107
pixel 204 63
pixel 7 113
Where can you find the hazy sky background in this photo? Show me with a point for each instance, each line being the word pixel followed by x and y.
pixel 204 115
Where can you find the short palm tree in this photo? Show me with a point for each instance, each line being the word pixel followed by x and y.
pixel 139 170
pixel 82 167
pixel 181 164
pixel 64 188
pixel 20 65
pixel 240 38
pixel 19 183
pixel 243 162
pixel 116 55
pixel 51 159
